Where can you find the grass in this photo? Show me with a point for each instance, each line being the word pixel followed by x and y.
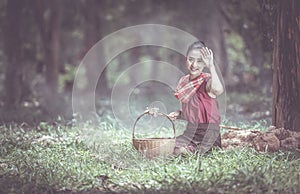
pixel 248 106
pixel 61 159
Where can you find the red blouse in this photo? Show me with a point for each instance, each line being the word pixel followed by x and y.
pixel 201 108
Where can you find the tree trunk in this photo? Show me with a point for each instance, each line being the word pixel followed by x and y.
pixel 216 38
pixel 94 33
pixel 53 48
pixel 286 67
pixel 13 74
pixel 50 30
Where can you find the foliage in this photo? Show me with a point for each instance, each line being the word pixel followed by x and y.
pixel 248 106
pixel 238 55
pixel 86 22
pixel 56 158
pixel 250 39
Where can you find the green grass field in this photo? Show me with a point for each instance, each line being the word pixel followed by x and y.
pixel 61 159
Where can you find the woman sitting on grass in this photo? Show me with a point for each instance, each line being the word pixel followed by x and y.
pixel 197 92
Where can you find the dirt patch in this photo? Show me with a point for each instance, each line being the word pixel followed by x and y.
pixel 273 140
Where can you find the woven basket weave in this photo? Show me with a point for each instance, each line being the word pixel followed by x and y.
pixel 154 147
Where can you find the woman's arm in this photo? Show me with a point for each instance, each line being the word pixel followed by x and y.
pixel 214 86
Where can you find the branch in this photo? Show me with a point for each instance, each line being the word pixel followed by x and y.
pixel 235 128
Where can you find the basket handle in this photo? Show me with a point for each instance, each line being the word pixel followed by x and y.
pixel 157 113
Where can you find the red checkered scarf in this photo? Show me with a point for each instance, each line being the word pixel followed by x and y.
pixel 186 88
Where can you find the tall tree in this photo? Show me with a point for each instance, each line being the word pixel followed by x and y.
pixel 12 38
pixel 94 31
pixel 49 17
pixel 286 67
pixel 49 20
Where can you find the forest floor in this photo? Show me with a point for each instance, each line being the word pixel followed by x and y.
pixel 66 158
pixel 54 158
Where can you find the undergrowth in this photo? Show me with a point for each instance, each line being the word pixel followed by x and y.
pixel 98 159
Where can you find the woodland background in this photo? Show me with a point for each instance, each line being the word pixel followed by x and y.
pixel 256 45
pixel 43 42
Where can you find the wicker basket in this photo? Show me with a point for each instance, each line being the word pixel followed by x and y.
pixel 154 147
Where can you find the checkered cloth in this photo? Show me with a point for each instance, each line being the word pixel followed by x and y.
pixel 187 88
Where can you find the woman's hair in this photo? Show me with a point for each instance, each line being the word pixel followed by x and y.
pixel 195 45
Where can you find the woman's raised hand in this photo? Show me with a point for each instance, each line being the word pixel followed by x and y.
pixel 207 57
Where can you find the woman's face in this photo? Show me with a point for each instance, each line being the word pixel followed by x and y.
pixel 194 63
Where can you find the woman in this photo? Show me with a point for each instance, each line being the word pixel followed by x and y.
pixel 197 92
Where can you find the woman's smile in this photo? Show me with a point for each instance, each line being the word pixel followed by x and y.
pixel 194 69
